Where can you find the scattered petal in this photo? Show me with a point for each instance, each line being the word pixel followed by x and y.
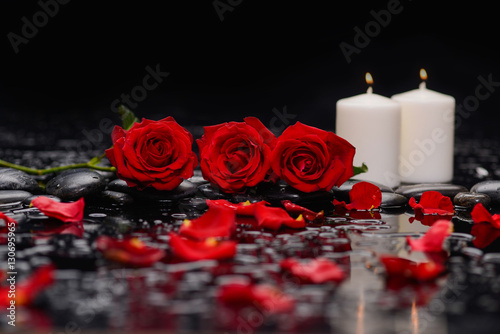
pixel 28 289
pixel 295 209
pixel 217 221
pixel 209 249
pixel 263 296
pixel 66 212
pixel 273 218
pixel 130 251
pixel 319 270
pixel 363 196
pixel 242 209
pixel 433 202
pixel 432 240
pixel 480 214
pixel 486 228
pixel 412 271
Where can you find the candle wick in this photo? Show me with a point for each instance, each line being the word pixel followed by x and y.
pixel 422 85
pixel 369 90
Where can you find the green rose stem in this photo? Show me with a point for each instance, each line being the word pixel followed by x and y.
pixel 92 164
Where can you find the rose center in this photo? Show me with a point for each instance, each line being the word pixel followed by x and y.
pixel 237 160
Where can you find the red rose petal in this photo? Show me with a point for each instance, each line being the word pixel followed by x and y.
pixel 129 251
pixel 481 214
pixel 263 296
pixel 433 202
pixel 29 288
pixel 319 270
pixel 300 210
pixel 217 221
pixel 404 268
pixel 363 196
pixel 486 228
pixel 8 220
pixel 273 218
pixel 190 250
pixel 242 209
pixel 432 240
pixel 66 212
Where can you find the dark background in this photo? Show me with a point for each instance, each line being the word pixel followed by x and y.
pixel 263 55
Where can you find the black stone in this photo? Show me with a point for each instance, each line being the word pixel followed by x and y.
pixel 183 190
pixel 275 193
pixel 393 200
pixel 416 190
pixel 342 193
pixel 469 199
pixel 13 179
pixel 115 197
pixel 490 188
pixel 73 184
pixel 212 192
pixel 28 200
pixel 11 196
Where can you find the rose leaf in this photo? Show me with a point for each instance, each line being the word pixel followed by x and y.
pixel 128 117
pixel 360 169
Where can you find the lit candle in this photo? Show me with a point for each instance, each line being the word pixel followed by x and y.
pixel 371 123
pixel 427 135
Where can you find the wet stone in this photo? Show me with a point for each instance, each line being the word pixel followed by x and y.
pixel 393 200
pixel 276 193
pixel 28 200
pixel 469 199
pixel 185 189
pixel 416 190
pixel 115 197
pixel 73 184
pixel 490 188
pixel 342 193
pixel 13 179
pixel 11 196
pixel 212 192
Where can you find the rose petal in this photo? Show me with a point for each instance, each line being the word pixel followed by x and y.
pixel 317 271
pixel 265 297
pixel 300 210
pixel 404 268
pixel 129 251
pixel 433 202
pixel 217 221
pixel 432 240
pixel 273 218
pixel 190 250
pixel 66 212
pixel 29 288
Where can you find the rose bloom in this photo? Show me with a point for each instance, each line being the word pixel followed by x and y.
pixel 236 155
pixel 155 154
pixel 310 159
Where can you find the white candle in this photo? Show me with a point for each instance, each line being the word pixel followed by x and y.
pixel 427 135
pixel 371 123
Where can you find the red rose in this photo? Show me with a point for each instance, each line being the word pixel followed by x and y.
pixel 154 154
pixel 236 155
pixel 310 159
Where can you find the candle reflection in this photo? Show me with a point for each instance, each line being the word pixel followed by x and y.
pixel 360 324
pixel 414 317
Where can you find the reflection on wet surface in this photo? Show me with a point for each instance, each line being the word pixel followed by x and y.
pixel 91 292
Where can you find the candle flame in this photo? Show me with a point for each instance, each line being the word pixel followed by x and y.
pixel 368 78
pixel 423 74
